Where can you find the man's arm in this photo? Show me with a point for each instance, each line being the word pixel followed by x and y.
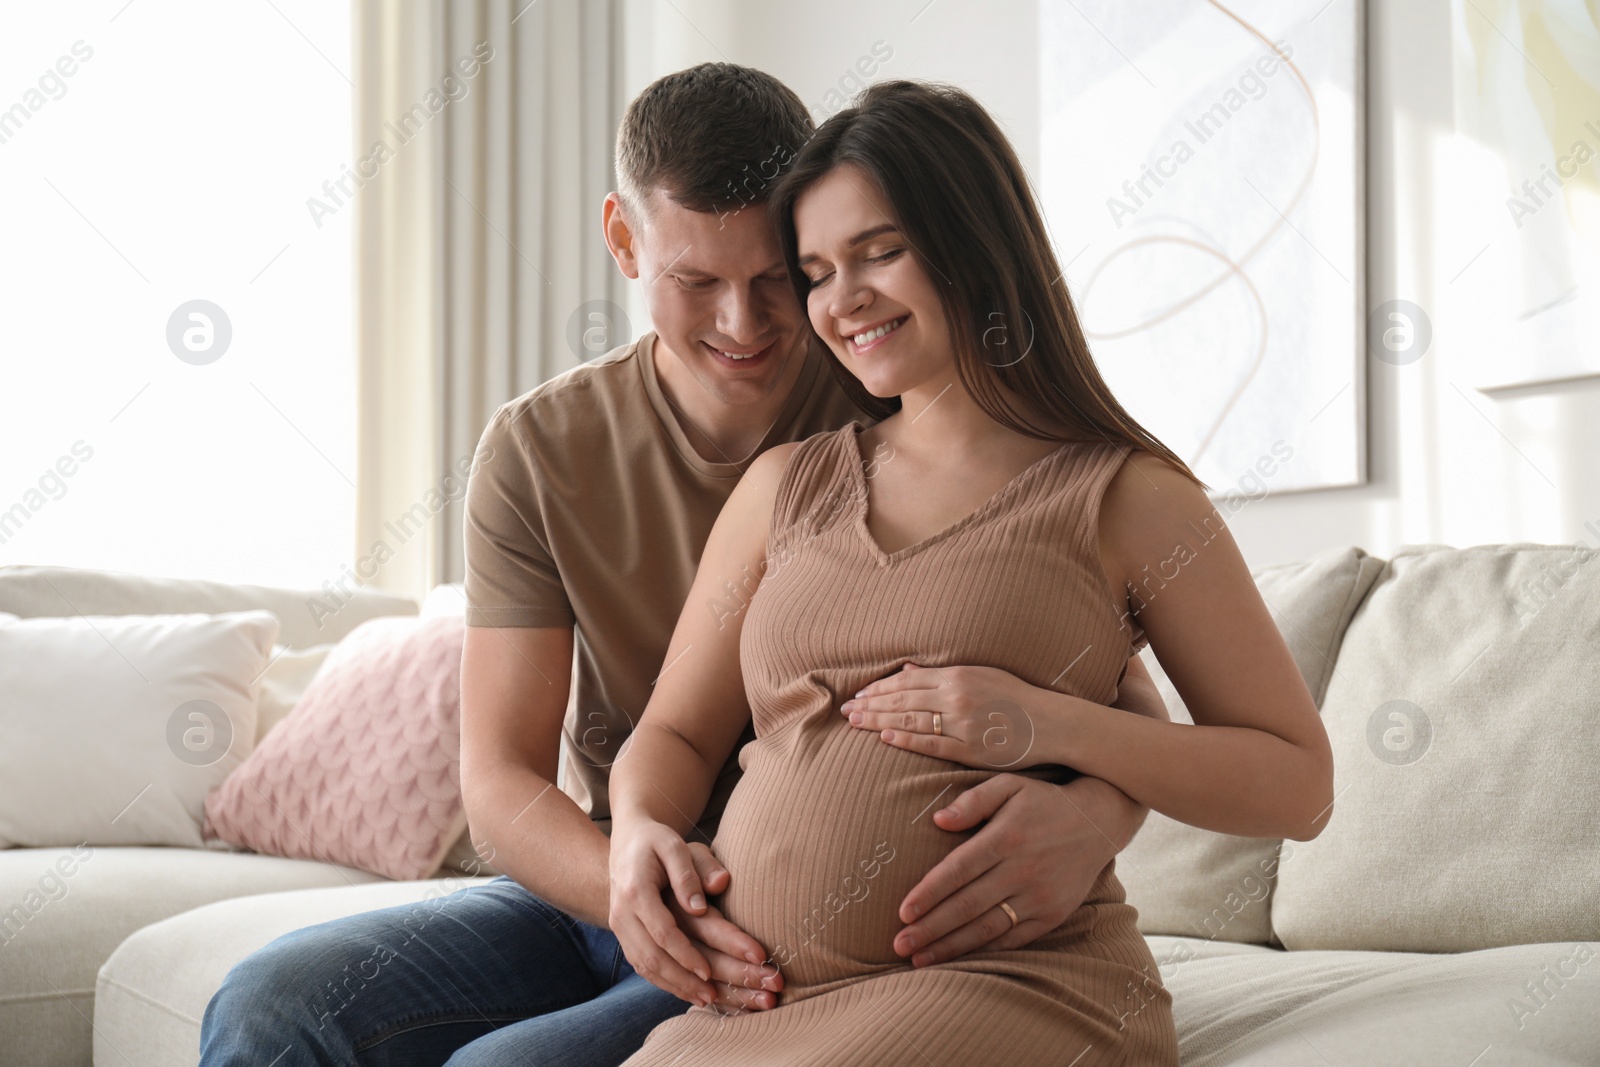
pixel 1039 847
pixel 1138 693
pixel 514 690
pixel 514 683
pixel 513 700
pixel 1122 816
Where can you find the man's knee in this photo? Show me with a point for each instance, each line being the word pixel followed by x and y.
pixel 284 986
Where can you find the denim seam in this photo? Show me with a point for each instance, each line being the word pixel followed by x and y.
pixel 618 958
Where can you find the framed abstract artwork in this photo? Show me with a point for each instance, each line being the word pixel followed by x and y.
pixel 1201 171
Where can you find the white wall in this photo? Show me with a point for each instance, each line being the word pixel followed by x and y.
pixel 988 48
pixel 1446 464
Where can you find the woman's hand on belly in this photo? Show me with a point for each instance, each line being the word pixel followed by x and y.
pixel 648 858
pixel 975 716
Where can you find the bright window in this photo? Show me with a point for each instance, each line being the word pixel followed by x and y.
pixel 154 154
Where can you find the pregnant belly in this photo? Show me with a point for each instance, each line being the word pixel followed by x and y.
pixel 826 832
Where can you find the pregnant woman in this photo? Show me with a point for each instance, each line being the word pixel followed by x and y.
pixel 950 594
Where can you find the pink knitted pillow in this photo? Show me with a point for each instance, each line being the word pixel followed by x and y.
pixel 366 769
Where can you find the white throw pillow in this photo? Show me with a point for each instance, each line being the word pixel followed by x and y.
pixel 447 598
pixel 115 727
pixel 285 678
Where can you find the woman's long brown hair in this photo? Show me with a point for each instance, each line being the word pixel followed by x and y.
pixel 965 206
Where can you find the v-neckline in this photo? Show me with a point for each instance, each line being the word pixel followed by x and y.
pixel 863 507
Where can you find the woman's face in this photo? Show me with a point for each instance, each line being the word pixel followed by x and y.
pixel 870 300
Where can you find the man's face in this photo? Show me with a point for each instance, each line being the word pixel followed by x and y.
pixel 718 295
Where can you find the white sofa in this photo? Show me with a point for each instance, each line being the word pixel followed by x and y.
pixel 1447 915
pixel 53 945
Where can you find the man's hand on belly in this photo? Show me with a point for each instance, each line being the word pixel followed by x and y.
pixel 741 984
pixel 1040 852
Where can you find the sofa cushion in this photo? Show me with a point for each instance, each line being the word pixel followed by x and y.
pixel 1464 715
pixel 1233 1004
pixel 307 617
pixel 1191 882
pixel 57 928
pixel 117 726
pixel 1258 1007
pixel 286 677
pixel 153 991
pixel 366 770
pixel 446 598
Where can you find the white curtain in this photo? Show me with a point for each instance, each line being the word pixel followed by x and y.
pixel 483 151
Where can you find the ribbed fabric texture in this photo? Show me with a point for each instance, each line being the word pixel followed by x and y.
pixel 829 827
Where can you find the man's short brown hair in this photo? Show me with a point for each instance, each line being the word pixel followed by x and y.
pixel 713 138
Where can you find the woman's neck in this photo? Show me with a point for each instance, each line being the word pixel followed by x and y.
pixel 941 415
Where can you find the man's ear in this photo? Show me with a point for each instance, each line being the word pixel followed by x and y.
pixel 620 236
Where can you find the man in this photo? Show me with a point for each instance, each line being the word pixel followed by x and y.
pixel 582 534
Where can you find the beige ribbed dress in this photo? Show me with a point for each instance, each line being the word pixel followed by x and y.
pixel 829 827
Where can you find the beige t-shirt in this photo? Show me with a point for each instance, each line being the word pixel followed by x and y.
pixel 592 512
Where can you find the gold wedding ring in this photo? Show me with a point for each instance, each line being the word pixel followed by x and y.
pixel 1009 914
pixel 938 725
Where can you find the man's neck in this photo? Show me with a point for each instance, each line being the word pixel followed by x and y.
pixel 719 431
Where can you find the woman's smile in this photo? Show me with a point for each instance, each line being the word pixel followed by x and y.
pixel 872 336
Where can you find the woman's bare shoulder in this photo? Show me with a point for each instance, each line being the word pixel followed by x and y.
pixel 750 506
pixel 1150 505
pixel 768 467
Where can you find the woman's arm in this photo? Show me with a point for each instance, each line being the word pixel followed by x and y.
pixel 660 784
pixel 1257 761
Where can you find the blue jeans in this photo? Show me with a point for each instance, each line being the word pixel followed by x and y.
pixel 489 974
